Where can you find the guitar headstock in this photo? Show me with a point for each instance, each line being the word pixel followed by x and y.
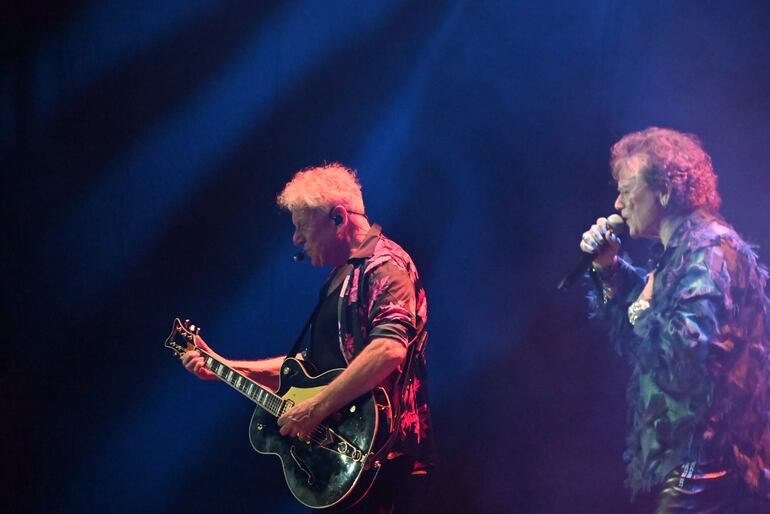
pixel 182 332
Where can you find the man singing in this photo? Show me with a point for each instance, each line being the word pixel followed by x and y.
pixel 694 328
pixel 372 308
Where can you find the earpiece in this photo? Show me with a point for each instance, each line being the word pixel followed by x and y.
pixel 336 218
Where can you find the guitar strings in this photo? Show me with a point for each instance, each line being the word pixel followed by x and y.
pixel 320 432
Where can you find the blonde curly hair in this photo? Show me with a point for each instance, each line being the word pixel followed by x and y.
pixel 677 159
pixel 323 187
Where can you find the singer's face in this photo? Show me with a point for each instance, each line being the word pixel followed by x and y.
pixel 316 233
pixel 637 203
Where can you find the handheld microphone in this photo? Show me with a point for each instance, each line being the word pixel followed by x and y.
pixel 299 256
pixel 617 225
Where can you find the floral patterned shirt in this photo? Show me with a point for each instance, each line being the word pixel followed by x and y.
pixel 382 297
pixel 700 384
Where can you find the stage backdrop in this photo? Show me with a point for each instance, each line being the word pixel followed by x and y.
pixel 143 145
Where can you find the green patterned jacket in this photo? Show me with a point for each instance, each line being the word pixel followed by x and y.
pixel 700 376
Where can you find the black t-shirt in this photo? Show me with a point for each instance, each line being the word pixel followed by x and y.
pixel 324 350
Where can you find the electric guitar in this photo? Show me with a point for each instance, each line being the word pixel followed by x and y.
pixel 337 465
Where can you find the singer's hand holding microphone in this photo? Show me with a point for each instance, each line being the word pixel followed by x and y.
pixel 600 245
pixel 601 240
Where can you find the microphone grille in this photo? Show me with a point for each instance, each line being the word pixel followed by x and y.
pixel 616 223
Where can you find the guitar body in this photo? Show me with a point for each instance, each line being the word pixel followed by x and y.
pixel 330 470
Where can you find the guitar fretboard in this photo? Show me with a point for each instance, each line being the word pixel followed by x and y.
pixel 255 392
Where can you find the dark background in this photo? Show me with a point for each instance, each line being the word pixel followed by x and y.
pixel 142 146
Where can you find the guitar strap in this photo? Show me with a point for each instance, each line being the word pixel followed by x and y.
pixel 301 337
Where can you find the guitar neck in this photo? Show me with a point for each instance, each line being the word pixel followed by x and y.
pixel 255 392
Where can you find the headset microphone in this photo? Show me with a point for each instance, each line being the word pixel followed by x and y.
pixel 299 256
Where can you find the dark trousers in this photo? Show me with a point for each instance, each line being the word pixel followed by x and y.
pixel 700 489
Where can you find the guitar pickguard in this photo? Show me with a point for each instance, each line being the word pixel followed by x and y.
pixel 298 394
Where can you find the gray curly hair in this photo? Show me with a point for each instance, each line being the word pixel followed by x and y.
pixel 677 159
pixel 323 187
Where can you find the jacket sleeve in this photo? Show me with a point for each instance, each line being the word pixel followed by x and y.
pixel 610 297
pixel 391 303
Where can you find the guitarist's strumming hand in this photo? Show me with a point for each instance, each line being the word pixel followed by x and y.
pixel 303 418
pixel 193 361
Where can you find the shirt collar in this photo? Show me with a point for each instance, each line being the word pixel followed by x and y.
pixel 680 236
pixel 684 230
pixel 366 249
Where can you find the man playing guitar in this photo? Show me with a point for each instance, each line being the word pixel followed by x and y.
pixel 370 317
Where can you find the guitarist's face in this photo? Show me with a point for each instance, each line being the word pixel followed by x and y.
pixel 317 234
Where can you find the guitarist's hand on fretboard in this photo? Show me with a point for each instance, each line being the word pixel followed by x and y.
pixel 193 360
